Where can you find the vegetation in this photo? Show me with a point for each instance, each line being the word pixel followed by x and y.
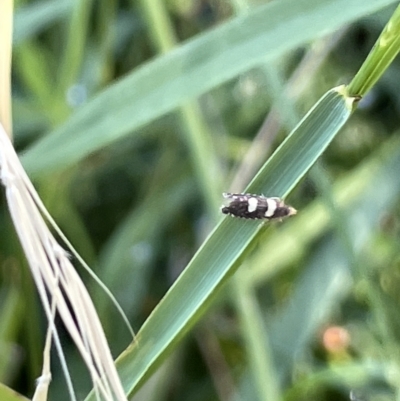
pixel 133 117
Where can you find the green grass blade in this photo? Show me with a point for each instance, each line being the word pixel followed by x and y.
pixel 286 246
pixel 349 374
pixel 138 227
pixel 382 54
pixel 300 150
pixel 324 283
pixel 322 286
pixel 74 51
pixel 197 134
pixel 7 394
pixel 33 18
pixel 255 337
pixel 189 71
pixel 219 255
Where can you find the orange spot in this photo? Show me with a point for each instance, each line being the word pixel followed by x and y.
pixel 336 339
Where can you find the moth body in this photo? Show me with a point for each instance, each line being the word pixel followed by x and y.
pixel 250 206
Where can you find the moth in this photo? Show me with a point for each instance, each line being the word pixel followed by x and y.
pixel 250 206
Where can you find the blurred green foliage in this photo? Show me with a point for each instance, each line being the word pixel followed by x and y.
pixel 131 143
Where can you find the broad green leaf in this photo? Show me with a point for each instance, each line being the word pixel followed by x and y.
pixel 192 69
pixel 219 255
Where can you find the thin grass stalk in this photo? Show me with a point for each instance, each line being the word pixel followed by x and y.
pixel 256 339
pixel 43 382
pixel 381 56
pixel 198 138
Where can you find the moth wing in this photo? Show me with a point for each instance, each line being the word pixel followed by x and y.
pixel 228 195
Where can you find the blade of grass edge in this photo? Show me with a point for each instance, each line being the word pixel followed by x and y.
pixel 255 337
pixel 314 220
pixel 8 394
pixel 170 80
pixel 381 56
pixel 218 257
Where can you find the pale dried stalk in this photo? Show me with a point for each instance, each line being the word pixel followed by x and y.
pixel 57 282
pixel 6 19
pixel 43 383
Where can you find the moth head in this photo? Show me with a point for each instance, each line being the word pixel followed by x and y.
pixel 282 210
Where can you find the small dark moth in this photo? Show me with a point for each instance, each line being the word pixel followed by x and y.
pixel 256 207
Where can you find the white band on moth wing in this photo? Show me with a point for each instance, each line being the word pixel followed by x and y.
pixel 272 205
pixel 252 205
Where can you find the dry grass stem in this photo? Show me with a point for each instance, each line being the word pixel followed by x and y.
pixel 6 19
pixel 55 277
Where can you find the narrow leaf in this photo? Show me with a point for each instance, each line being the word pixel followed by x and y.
pixel 184 303
pixel 190 70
